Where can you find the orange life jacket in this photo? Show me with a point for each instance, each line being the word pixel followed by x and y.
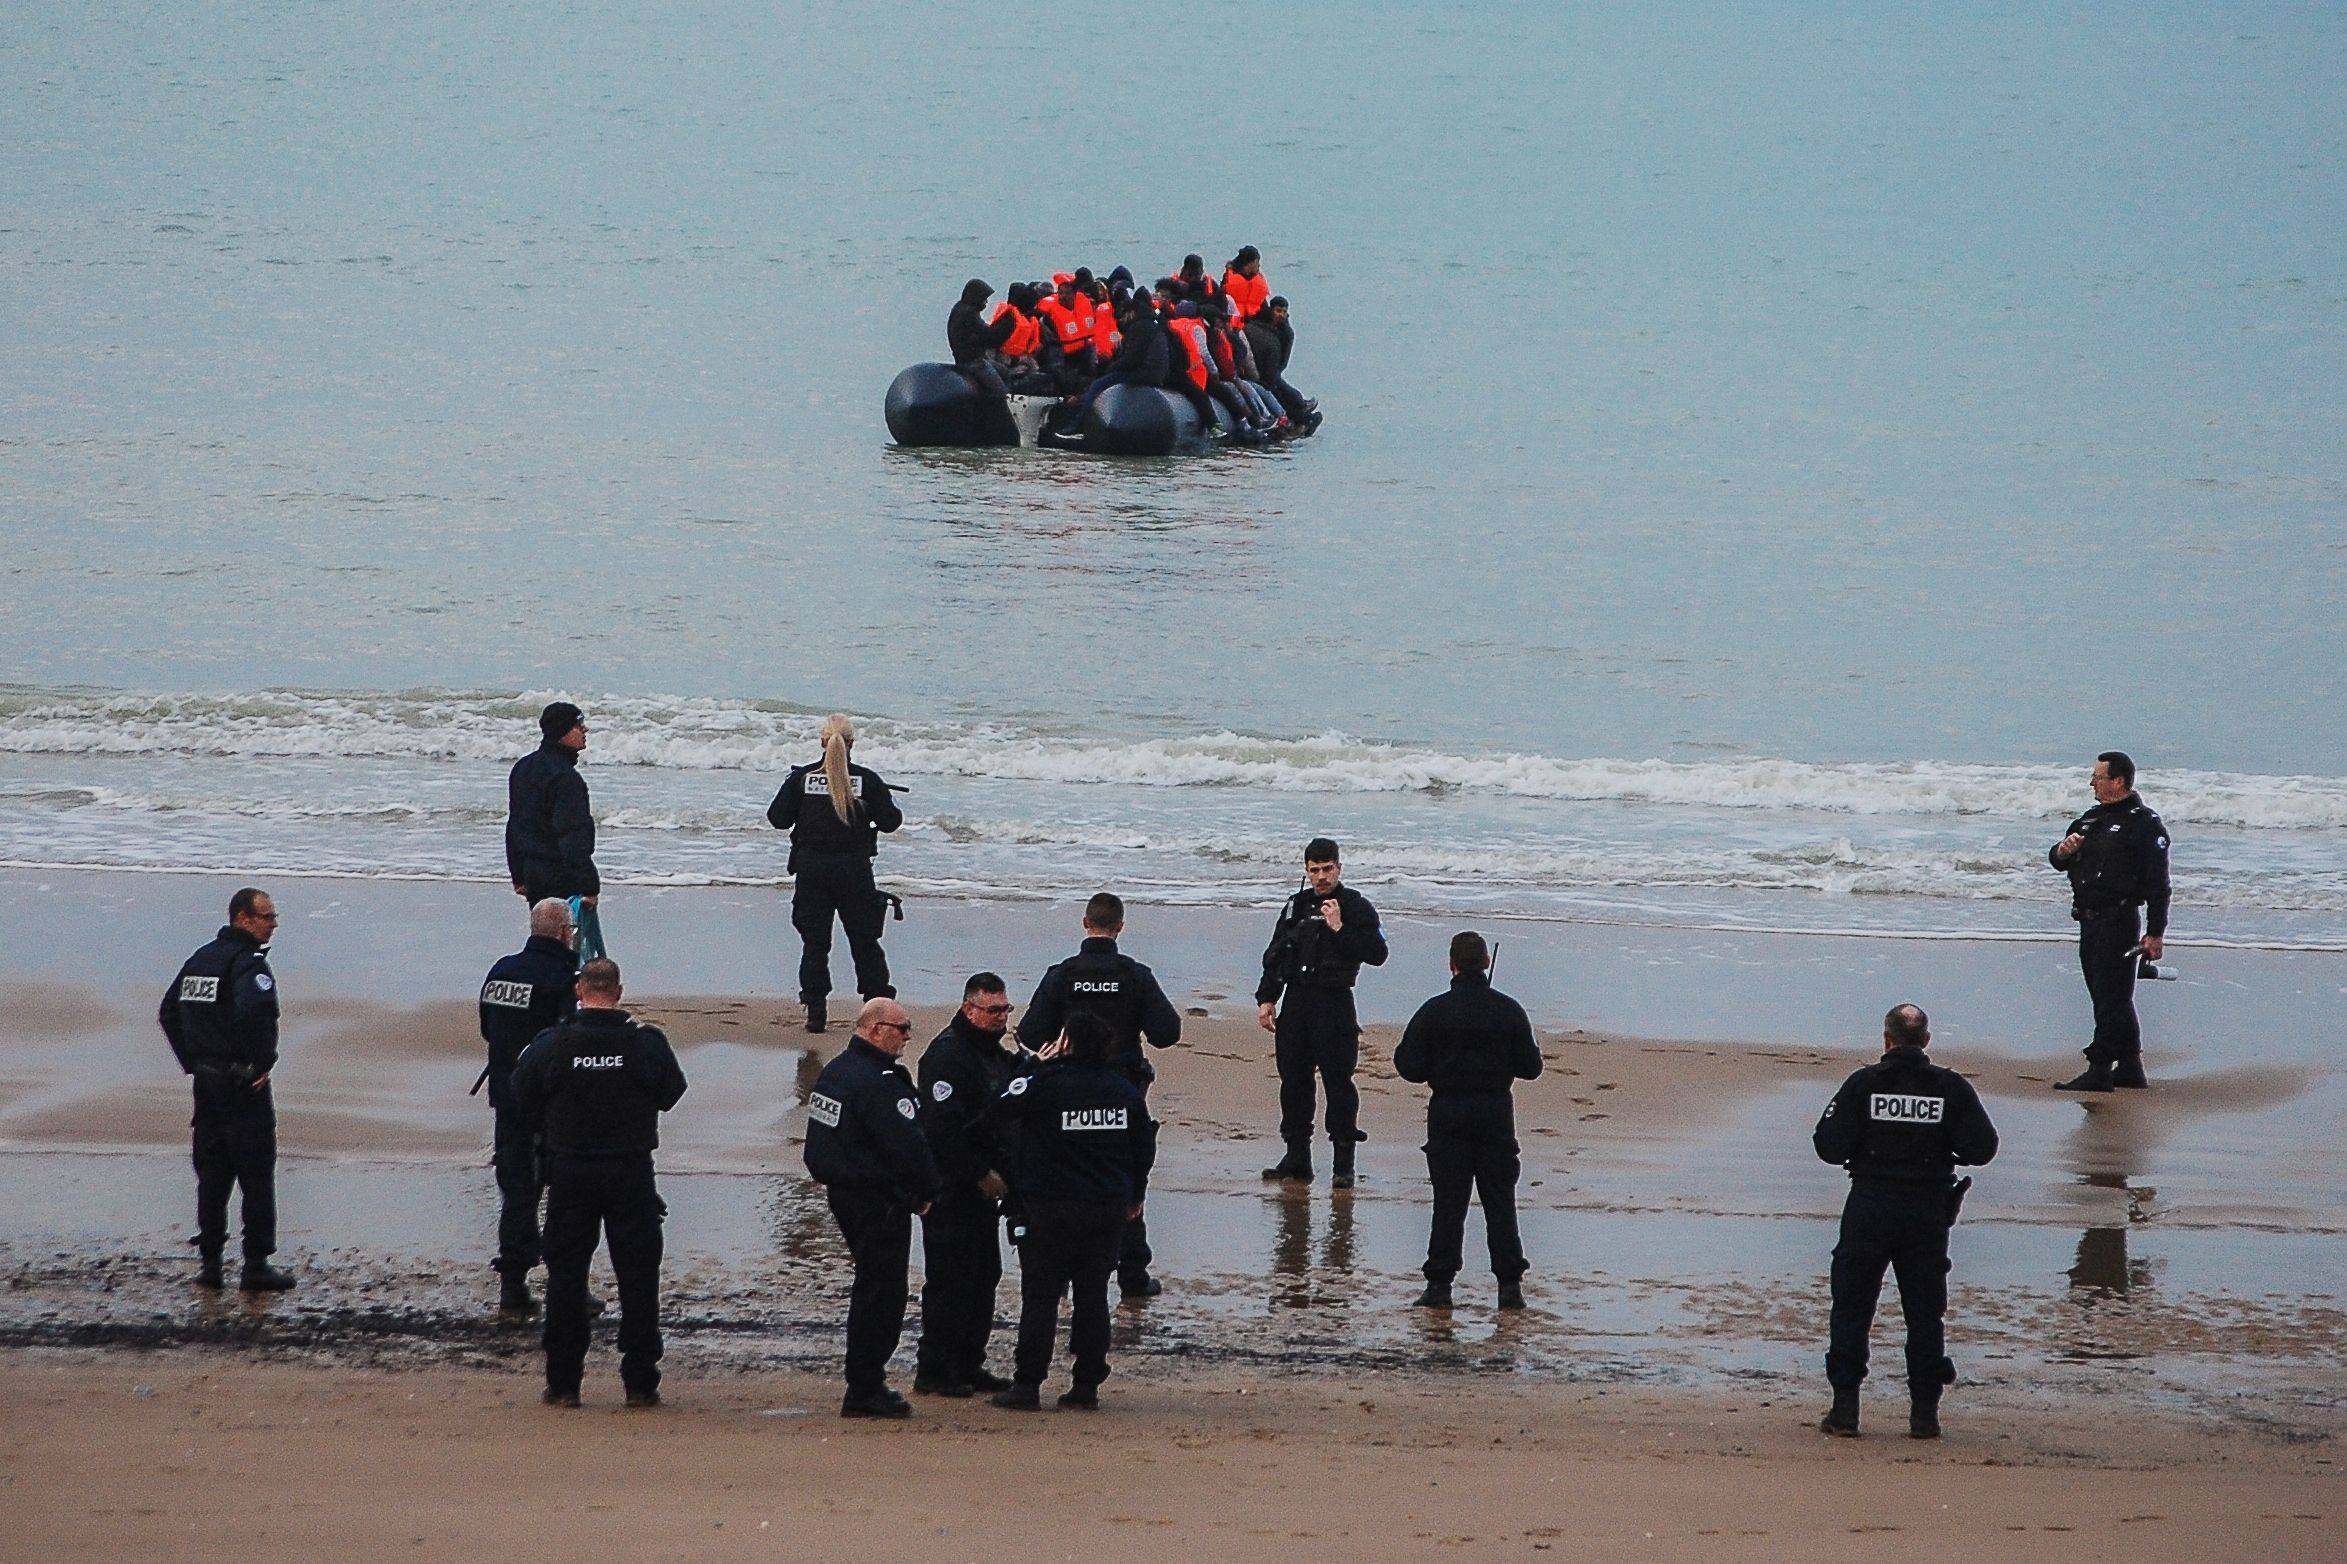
pixel 1025 337
pixel 1071 322
pixel 1103 330
pixel 1193 334
pixel 1248 295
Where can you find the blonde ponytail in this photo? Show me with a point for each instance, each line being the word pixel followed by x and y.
pixel 838 734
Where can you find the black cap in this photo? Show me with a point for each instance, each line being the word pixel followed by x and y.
pixel 559 718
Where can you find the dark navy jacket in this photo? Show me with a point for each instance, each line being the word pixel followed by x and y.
pixel 1471 1040
pixel 1083 1136
pixel 803 808
pixel 1305 954
pixel 864 1128
pixel 962 1072
pixel 220 1012
pixel 598 1084
pixel 1905 1120
pixel 1115 988
pixel 524 994
pixel 549 831
pixel 2123 862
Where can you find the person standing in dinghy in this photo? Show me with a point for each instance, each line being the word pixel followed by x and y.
pixel 835 813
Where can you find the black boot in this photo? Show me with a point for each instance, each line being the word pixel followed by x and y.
pixel 1436 1296
pixel 513 1295
pixel 2127 1074
pixel 210 1274
pixel 1340 1174
pixel 1018 1398
pixel 882 1402
pixel 1511 1295
pixel 261 1276
pixel 1923 1418
pixel 816 1018
pixel 1296 1165
pixel 2096 1079
pixel 1841 1420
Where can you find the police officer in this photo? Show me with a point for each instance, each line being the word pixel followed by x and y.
pixel 525 993
pixel 597 1084
pixel 965 1068
pixel 835 813
pixel 220 1017
pixel 1900 1126
pixel 549 829
pixel 1099 980
pixel 2116 855
pixel 864 1146
pixel 1083 1144
pixel 1472 1045
pixel 1325 935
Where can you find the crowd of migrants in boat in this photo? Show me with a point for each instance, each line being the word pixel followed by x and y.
pixel 1109 366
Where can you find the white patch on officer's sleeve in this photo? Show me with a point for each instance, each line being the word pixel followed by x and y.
pixel 904 1105
pixel 1018 1088
pixel 823 1109
pixel 1831 1106
pixel 264 982
pixel 942 1090
pixel 2163 841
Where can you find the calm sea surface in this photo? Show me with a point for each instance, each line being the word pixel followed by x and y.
pixel 1769 449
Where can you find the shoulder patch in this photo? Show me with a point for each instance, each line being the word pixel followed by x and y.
pixel 264 982
pixel 823 1109
pixel 941 1090
pixel 904 1105
pixel 2160 841
pixel 1018 1088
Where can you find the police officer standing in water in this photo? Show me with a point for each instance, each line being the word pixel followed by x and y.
pixel 865 1147
pixel 1325 935
pixel 220 1017
pixel 1472 1045
pixel 1900 1125
pixel 597 1084
pixel 524 994
pixel 549 828
pixel 2116 855
pixel 835 813
pixel 1101 980
pixel 965 1068
pixel 1083 1143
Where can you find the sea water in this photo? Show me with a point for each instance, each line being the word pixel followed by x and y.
pixel 1769 451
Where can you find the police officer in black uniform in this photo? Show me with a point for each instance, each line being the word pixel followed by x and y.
pixel 220 1017
pixel 524 994
pixel 1083 1146
pixel 964 1069
pixel 835 813
pixel 1901 1125
pixel 2116 855
pixel 549 829
pixel 1099 980
pixel 865 1147
pixel 597 1085
pixel 1326 934
pixel 1472 1045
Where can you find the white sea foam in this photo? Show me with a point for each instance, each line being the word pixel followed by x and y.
pixel 766 738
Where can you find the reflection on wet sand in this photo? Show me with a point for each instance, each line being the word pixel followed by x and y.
pixel 1299 1278
pixel 2110 1144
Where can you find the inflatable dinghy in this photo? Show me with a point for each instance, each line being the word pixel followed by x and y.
pixel 937 404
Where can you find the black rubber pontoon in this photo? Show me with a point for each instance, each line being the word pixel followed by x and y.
pixel 937 404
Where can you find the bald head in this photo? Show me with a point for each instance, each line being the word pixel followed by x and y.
pixel 884 1024
pixel 551 919
pixel 1906 1027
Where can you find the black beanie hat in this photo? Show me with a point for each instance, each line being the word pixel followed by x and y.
pixel 559 718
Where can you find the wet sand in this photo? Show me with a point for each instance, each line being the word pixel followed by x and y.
pixel 2131 1270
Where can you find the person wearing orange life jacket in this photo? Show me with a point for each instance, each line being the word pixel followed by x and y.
pixel 1193 282
pixel 1104 315
pixel 1237 361
pixel 972 340
pixel 1066 314
pixel 1016 358
pixel 1244 285
pixel 1202 378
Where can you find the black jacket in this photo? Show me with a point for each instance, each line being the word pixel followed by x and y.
pixel 1114 987
pixel 220 1012
pixel 803 808
pixel 1305 954
pixel 598 1083
pixel 549 831
pixel 525 993
pixel 1143 352
pixel 2122 863
pixel 1084 1135
pixel 1905 1120
pixel 969 336
pixel 864 1127
pixel 1473 1039
pixel 1273 343
pixel 962 1072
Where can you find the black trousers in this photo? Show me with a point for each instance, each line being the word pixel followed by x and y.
pixel 828 886
pixel 235 1147
pixel 1289 397
pixel 1318 1038
pixel 879 1231
pixel 2104 938
pixel 1904 1228
pixel 961 1261
pixel 612 1198
pixel 520 1185
pixel 986 376
pixel 1067 1246
pixel 1133 1252
pixel 1471 1149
